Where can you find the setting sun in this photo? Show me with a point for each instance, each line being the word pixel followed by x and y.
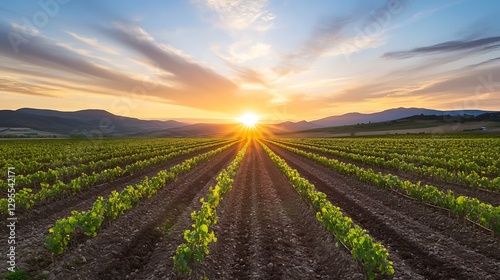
pixel 248 119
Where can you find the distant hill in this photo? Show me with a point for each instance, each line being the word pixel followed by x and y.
pixel 80 122
pixel 388 115
pixel 414 124
pixel 29 122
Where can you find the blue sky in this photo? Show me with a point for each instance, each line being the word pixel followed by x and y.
pixel 218 59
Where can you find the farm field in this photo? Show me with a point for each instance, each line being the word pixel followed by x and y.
pixel 217 139
pixel 392 207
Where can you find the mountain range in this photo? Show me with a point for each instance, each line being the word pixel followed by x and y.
pixel 388 115
pixel 81 122
pixel 86 122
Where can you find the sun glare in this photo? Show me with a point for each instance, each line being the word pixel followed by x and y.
pixel 249 119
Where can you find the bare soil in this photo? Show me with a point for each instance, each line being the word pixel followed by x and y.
pixel 33 224
pixel 264 231
pixel 485 196
pixel 424 242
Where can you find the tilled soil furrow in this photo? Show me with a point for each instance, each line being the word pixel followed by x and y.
pixel 285 220
pixel 287 242
pixel 269 220
pixel 87 196
pixel 485 196
pixel 160 262
pixel 429 253
pixel 237 208
pixel 441 222
pixel 437 220
pixel 117 251
pixel 245 225
pixel 35 222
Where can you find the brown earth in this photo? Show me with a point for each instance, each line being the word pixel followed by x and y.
pixel 265 231
pixel 483 195
pixel 424 242
pixel 33 224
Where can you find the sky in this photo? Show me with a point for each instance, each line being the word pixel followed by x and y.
pixel 215 60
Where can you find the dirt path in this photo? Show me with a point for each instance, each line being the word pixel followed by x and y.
pixel 425 240
pixel 34 223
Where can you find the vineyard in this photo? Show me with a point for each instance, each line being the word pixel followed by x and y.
pixel 398 207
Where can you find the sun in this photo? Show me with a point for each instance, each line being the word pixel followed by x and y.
pixel 249 119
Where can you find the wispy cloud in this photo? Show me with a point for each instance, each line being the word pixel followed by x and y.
pixel 482 63
pixel 477 45
pixel 249 76
pixel 468 83
pixel 92 42
pixel 341 36
pixel 186 71
pixel 242 14
pixel 312 60
pixel 46 53
pixel 180 80
pixel 464 86
pixel 326 36
pixel 19 87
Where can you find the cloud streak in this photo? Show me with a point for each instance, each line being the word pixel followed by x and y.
pixel 185 71
pixel 93 43
pixel 250 76
pixel 322 39
pixel 478 45
pixel 482 63
pixel 345 35
pixel 18 87
pixel 239 56
pixel 43 52
pixel 472 85
pixel 181 80
pixel 469 83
